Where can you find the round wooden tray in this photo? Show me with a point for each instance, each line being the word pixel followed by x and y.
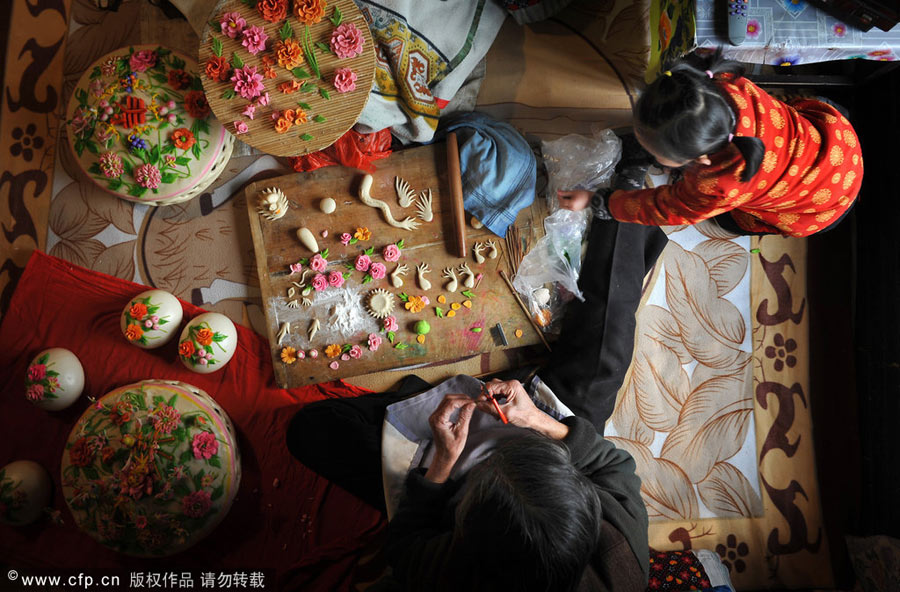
pixel 330 113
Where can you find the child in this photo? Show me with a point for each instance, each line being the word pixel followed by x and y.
pixel 755 164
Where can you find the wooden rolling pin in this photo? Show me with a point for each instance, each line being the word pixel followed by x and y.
pixel 456 195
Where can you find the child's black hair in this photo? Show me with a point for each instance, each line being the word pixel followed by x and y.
pixel 684 114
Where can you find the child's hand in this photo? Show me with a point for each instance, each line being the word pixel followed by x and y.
pixel 577 199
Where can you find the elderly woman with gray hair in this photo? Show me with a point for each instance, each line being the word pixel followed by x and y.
pixel 541 503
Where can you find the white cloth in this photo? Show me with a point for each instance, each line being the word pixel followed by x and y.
pixel 424 53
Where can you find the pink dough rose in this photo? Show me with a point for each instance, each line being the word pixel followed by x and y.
pixel 205 445
pixel 374 341
pixel 377 271
pixel 363 262
pixel 390 324
pixel 347 41
pixel 344 80
pixel 247 82
pixel 345 239
pixel 254 39
pixel 319 282
pixel 336 279
pixel 355 352
pixel 36 372
pixel 142 60
pixel 318 263
pixel 232 24
pixel 35 392
pixel 391 253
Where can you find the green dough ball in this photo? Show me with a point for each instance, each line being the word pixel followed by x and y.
pixel 422 328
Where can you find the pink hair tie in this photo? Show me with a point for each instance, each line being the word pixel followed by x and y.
pixel 730 137
pixel 709 73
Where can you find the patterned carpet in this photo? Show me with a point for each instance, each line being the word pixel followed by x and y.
pixel 716 405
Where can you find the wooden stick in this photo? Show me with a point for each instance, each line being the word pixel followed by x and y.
pixel 456 195
pixel 525 310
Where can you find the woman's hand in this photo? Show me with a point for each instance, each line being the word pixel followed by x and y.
pixel 577 199
pixel 519 408
pixel 449 437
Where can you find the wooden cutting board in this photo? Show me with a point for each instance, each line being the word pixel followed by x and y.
pixel 341 311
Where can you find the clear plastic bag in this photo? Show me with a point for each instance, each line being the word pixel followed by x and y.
pixel 580 162
pixel 548 275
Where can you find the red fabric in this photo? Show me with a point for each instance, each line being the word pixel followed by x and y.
pixel 307 529
pixel 353 149
pixel 810 175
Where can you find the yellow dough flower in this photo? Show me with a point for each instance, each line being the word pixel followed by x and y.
pixel 333 350
pixel 415 304
pixel 288 355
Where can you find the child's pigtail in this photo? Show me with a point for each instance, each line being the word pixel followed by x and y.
pixel 753 150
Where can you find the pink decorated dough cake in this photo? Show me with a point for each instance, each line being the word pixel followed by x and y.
pixel 151 468
pixel 140 127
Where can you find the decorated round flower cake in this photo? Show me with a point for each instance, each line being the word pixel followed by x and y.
pixel 140 127
pixel 151 468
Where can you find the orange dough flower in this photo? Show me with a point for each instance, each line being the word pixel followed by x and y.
pixel 289 87
pixel 137 311
pixel 299 117
pixel 268 60
pixel 133 332
pixel 289 54
pixel 217 69
pixel 362 234
pixel 333 350
pixel 183 138
pixel 282 125
pixel 269 72
pixel 204 336
pixel 309 12
pixel 414 304
pixel 272 10
pixel 289 114
pixel 186 348
pixel 288 355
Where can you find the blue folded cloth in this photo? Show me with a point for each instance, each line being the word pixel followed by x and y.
pixel 499 171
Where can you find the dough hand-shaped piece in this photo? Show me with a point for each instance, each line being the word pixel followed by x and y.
pixel 395 275
pixel 282 333
pixel 463 269
pixel 423 205
pixel 293 304
pixel 421 270
pixel 364 188
pixel 493 251
pixel 313 329
pixel 477 250
pixel 452 284
pixel 405 195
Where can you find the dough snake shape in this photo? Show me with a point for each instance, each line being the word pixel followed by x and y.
pixel 364 188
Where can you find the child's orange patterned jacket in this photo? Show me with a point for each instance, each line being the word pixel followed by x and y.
pixel 810 175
